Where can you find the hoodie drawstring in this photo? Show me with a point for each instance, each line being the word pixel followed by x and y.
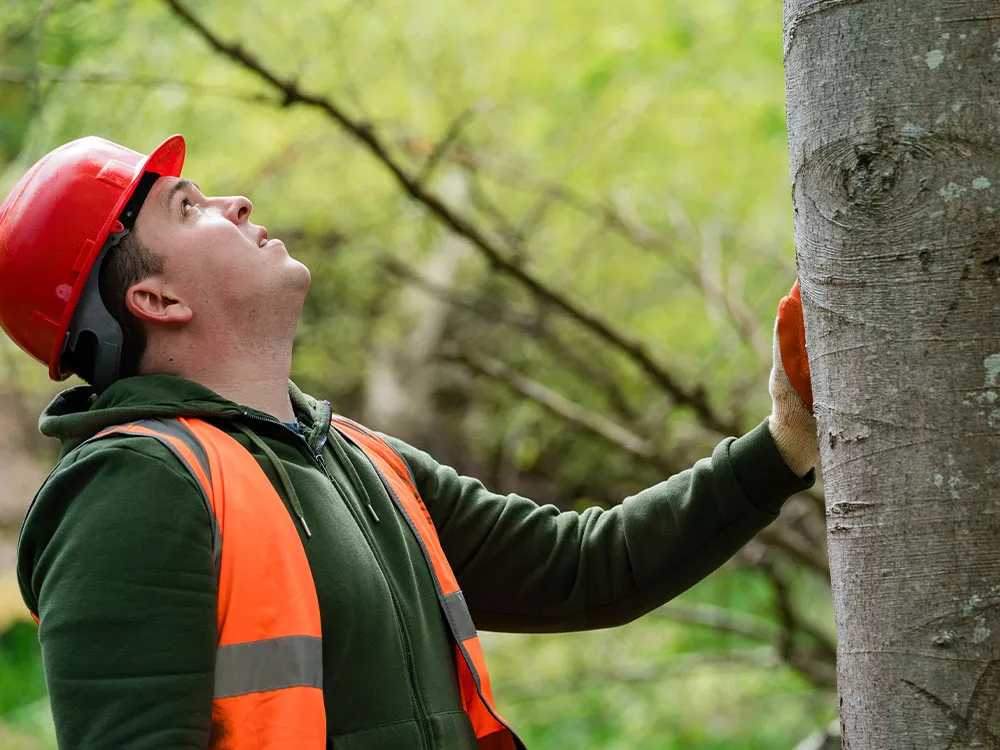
pixel 359 486
pixel 286 482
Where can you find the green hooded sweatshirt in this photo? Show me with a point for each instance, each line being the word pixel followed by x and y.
pixel 115 557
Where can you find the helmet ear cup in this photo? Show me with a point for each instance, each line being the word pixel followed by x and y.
pixel 95 340
pixel 81 358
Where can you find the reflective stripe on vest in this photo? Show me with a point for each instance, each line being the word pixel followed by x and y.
pixel 491 729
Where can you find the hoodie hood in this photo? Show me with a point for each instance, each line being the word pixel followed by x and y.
pixel 78 413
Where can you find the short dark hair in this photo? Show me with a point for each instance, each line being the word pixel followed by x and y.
pixel 127 263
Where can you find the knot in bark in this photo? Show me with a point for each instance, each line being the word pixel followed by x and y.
pixel 869 178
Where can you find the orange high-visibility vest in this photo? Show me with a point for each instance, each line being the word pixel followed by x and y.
pixel 269 663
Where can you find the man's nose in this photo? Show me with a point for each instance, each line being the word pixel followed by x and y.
pixel 238 208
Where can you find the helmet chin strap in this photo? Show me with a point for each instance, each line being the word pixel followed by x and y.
pixel 91 320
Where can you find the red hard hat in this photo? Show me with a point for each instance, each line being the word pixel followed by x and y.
pixel 54 225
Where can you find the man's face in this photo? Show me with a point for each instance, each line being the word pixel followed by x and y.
pixel 215 260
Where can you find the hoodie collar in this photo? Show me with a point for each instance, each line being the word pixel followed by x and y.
pixel 78 413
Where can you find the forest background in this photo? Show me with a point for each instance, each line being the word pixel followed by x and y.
pixel 547 242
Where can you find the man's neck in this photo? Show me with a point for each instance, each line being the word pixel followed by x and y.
pixel 259 380
pixel 267 395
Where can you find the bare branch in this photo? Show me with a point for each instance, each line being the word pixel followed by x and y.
pixel 817 664
pixel 802 514
pixel 585 368
pixel 339 56
pixel 536 214
pixel 742 316
pixel 41 19
pixel 678 665
pixel 459 298
pixel 817 667
pixel 718 618
pixel 287 157
pixel 509 233
pixel 365 133
pixel 30 26
pixel 620 216
pixel 722 298
pixel 797 547
pixel 752 554
pixel 818 499
pixel 442 148
pixel 825 738
pixel 826 646
pixel 616 214
pixel 114 78
pixel 592 422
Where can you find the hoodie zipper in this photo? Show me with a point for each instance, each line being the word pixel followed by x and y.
pixel 426 739
pixel 318 457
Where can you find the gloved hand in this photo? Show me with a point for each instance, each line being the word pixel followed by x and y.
pixel 792 423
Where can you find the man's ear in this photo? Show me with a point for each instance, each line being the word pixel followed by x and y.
pixel 150 301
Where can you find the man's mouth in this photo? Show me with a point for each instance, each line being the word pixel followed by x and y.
pixel 262 239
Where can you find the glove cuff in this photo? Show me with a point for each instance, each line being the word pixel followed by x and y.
pixel 797 446
pixel 792 425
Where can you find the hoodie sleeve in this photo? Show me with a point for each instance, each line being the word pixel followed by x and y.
pixel 115 558
pixel 530 568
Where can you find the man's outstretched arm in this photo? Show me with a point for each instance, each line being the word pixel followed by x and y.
pixel 531 568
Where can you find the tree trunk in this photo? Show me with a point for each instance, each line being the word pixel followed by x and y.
pixel 894 137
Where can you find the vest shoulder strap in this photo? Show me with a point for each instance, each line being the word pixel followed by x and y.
pixel 379 444
pixel 186 448
pixel 371 442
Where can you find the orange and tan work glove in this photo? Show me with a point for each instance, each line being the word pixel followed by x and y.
pixel 792 423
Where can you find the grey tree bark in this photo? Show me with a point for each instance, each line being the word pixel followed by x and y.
pixel 894 138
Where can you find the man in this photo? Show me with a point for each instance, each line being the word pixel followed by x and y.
pixel 218 561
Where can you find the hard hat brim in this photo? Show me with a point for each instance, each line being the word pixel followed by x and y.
pixel 166 160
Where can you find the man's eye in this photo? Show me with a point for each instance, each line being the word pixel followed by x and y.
pixel 185 205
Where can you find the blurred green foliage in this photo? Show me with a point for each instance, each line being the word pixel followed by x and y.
pixel 668 115
pixel 21 681
pixel 25 723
